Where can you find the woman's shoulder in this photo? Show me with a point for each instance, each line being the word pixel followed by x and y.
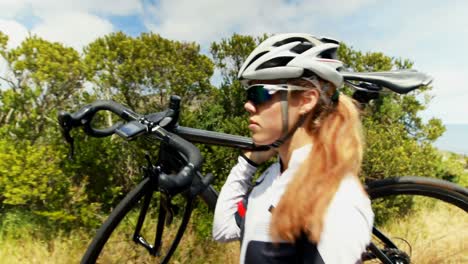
pixel 351 190
pixel 352 200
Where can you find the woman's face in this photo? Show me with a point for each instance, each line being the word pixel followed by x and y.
pixel 265 121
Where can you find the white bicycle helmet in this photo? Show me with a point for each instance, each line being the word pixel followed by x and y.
pixel 293 55
pixel 290 56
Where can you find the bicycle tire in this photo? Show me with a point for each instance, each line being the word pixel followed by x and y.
pixel 433 191
pixel 115 231
pixel 415 185
pixel 113 220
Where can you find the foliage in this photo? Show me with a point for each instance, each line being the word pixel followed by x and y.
pixel 228 55
pixel 30 174
pixel 43 77
pixel 141 72
pixel 32 179
pixel 455 168
pixel 3 42
pixel 398 141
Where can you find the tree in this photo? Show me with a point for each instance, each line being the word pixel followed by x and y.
pixel 229 55
pixel 33 181
pixel 398 141
pixel 222 110
pixel 44 77
pixel 140 72
pixel 143 72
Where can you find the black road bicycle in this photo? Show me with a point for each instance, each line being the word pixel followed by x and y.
pixel 175 176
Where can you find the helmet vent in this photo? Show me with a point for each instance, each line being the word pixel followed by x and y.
pixel 276 62
pixel 255 58
pixel 308 73
pixel 329 40
pixel 328 54
pixel 300 48
pixel 289 40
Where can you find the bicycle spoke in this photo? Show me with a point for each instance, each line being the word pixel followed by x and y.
pixel 426 229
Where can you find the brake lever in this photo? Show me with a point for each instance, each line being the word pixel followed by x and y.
pixel 65 120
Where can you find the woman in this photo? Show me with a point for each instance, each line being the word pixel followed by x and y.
pixel 309 207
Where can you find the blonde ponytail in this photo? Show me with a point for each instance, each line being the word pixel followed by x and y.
pixel 337 151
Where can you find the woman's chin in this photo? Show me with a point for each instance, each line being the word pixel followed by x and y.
pixel 260 141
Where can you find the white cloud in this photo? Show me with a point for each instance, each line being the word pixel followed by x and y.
pixel 332 8
pixel 74 23
pixel 434 36
pixel 15 31
pixel 208 20
pixel 44 8
pixel 11 8
pixel 450 93
pixel 16 34
pixel 73 29
pixel 432 33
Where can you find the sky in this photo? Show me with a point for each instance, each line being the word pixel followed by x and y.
pixel 433 34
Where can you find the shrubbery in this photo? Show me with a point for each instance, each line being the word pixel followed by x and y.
pixel 36 178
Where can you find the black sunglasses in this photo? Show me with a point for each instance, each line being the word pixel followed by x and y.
pixel 261 93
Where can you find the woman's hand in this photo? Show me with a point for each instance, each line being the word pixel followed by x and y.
pixel 259 157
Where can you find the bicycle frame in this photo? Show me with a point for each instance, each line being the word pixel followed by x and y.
pixel 169 160
pixel 177 160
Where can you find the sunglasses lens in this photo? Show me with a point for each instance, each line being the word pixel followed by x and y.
pixel 257 94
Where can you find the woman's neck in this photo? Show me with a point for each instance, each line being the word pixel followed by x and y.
pixel 300 138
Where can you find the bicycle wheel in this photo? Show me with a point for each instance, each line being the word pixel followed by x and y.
pixel 115 240
pixel 418 220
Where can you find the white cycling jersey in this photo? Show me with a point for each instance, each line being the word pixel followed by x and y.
pixel 347 225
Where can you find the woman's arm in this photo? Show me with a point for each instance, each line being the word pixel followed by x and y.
pixel 237 185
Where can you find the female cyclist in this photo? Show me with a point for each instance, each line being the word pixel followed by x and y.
pixel 309 206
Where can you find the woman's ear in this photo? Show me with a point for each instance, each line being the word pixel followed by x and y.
pixel 308 101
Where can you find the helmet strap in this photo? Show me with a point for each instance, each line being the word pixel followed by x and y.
pixel 284 112
pixel 286 134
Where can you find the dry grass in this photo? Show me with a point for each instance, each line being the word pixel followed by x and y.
pixel 437 234
pixel 70 249
pixel 30 250
pixel 192 249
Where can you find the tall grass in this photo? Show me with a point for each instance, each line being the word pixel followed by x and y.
pixel 436 233
pixel 26 247
pixel 70 250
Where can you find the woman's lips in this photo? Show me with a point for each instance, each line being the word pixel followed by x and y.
pixel 252 122
pixel 253 125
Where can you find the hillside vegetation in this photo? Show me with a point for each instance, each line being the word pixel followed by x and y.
pixel 51 205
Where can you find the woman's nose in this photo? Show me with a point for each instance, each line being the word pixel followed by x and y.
pixel 249 107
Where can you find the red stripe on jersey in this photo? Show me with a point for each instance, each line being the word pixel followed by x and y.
pixel 241 208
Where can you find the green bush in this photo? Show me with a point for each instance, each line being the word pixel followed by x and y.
pixel 32 180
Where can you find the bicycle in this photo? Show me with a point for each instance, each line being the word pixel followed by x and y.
pixel 176 174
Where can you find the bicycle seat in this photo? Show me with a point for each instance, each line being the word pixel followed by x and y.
pixel 401 81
